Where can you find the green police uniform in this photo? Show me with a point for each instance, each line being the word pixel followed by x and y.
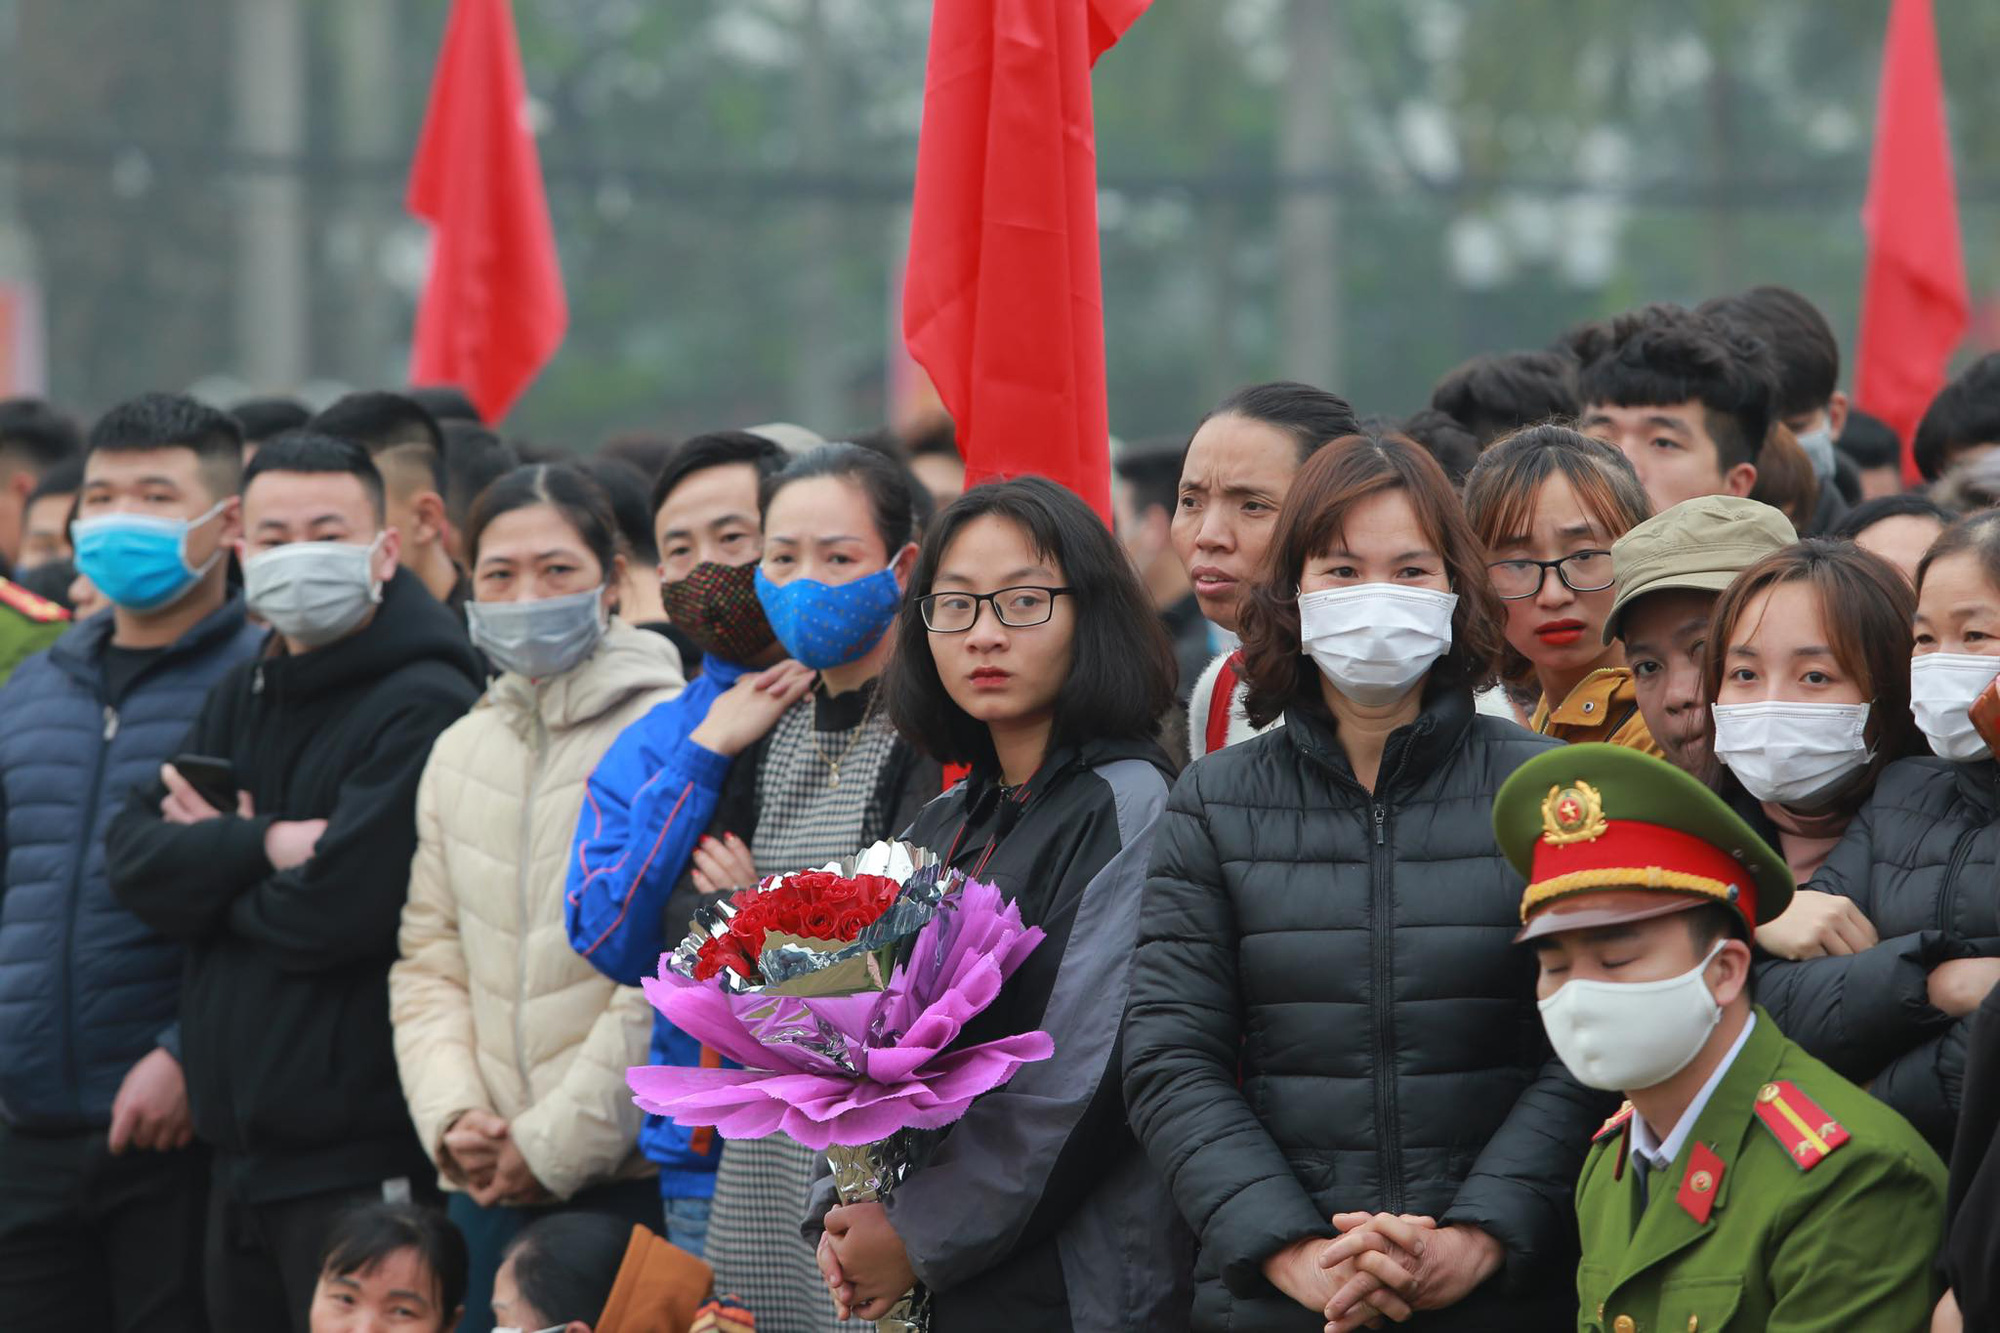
pixel 1797 1202
pixel 28 624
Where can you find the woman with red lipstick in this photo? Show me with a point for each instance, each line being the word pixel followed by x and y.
pixel 1239 466
pixel 1031 651
pixel 1547 502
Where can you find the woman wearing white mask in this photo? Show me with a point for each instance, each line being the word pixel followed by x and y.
pixel 1919 860
pixel 512 1048
pixel 1326 1019
pixel 1809 668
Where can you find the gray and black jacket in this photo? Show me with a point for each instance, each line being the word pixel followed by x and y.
pixel 1328 1015
pixel 1038 1209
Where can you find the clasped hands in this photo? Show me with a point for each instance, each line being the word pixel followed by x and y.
pixel 1384 1267
pixel 479 1153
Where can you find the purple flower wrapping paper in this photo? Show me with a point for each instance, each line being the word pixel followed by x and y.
pixel 851 1069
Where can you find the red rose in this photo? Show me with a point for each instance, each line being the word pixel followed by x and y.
pixel 851 924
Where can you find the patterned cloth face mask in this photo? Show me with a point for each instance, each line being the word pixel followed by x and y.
pixel 826 624
pixel 717 606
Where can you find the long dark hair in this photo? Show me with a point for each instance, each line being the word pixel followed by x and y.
pixel 1866 607
pixel 888 485
pixel 566 1265
pixel 1329 486
pixel 1121 676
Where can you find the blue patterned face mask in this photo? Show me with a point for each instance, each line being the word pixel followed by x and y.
pixel 828 625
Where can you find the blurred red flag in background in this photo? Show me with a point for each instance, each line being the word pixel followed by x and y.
pixel 493 310
pixel 1003 302
pixel 1914 307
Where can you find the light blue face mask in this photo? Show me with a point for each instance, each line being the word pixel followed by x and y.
pixel 1818 445
pixel 139 561
pixel 830 624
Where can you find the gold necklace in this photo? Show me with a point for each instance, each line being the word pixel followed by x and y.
pixel 833 764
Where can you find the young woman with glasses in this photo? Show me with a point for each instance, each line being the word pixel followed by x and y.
pixel 1032 653
pixel 1547 503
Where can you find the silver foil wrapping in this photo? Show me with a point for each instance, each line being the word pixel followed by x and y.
pixel 867 1172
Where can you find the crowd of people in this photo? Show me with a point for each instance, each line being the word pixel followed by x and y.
pixel 1396 797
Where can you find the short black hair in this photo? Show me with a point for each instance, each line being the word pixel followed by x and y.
pixel 564 487
pixel 890 488
pixel 309 451
pixel 176 421
pixel 368 1233
pixel 261 418
pixel 1152 468
pixel 474 458
pixel 1710 922
pixel 31 429
pixel 1870 512
pixel 645 452
pixel 1662 354
pixel 1313 417
pixel 566 1265
pixel 1805 356
pixel 1122 669
pixel 445 402
pixel 625 490
pixel 1498 393
pixel 65 478
pixel 1868 441
pixel 939 439
pixel 1965 412
pixel 1455 448
pixel 720 448
pixel 377 419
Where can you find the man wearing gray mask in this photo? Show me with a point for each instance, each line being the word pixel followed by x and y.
pixel 281 861
pixel 1806 358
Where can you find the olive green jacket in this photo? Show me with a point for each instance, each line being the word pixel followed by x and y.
pixel 28 624
pixel 1843 1242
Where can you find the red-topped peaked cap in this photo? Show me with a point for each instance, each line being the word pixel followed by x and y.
pixel 1605 835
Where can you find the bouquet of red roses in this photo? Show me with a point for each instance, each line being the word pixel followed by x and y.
pixel 810 905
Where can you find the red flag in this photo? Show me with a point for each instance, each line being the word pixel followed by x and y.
pixel 493 310
pixel 1913 301
pixel 1003 302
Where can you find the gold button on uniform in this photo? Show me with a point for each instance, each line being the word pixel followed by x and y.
pixel 1694 1323
pixel 1624 1324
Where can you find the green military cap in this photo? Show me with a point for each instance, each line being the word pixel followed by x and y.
pixel 1700 544
pixel 1605 834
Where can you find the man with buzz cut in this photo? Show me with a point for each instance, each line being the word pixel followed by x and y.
pixel 1743 1184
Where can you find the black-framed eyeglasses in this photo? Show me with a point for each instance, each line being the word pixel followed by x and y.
pixel 1580 571
pixel 1017 608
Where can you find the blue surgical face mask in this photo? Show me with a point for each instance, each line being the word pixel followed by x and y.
pixel 1818 445
pixel 826 624
pixel 140 561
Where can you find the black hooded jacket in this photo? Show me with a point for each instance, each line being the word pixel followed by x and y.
pixel 285 998
pixel 1328 1015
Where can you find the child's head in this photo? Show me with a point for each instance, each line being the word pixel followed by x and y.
pixel 390 1266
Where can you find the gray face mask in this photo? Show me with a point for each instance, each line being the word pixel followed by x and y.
pixel 541 638
pixel 313 592
pixel 1818 445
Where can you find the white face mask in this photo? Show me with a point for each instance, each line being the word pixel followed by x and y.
pixel 1791 752
pixel 1376 640
pixel 314 592
pixel 1625 1036
pixel 541 638
pixel 1818 445
pixel 1942 688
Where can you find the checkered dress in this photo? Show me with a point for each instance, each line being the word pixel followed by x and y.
pixel 762 1186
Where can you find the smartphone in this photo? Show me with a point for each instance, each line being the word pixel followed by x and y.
pixel 214 780
pixel 1986 715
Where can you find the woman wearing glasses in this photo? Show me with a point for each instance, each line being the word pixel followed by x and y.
pixel 1329 1034
pixel 1547 503
pixel 1032 653
pixel 828 778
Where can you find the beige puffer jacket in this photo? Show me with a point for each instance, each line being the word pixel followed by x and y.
pixel 492 1008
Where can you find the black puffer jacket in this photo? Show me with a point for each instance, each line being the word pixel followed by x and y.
pixel 1328 1015
pixel 1921 861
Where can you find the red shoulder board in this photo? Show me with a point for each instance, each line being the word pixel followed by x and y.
pixel 39 609
pixel 1807 1134
pixel 1699 1185
pixel 1613 1125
